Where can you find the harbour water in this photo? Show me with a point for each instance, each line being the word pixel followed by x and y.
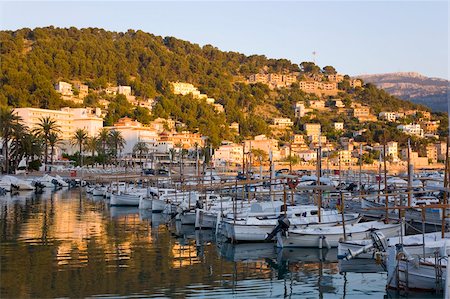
pixel 67 244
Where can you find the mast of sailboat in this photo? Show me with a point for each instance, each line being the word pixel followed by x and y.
pixel 379 177
pixel 409 173
pixel 319 171
pixel 446 185
pixel 272 171
pixel 360 170
pixel 385 180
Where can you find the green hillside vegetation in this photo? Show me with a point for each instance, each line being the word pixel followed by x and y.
pixel 32 61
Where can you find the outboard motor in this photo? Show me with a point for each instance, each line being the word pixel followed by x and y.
pixel 199 204
pixel 39 187
pixel 2 191
pixel 56 183
pixel 283 225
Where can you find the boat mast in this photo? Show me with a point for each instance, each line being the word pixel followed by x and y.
pixel 409 173
pixel 360 171
pixel 385 181
pixel 446 183
pixel 319 173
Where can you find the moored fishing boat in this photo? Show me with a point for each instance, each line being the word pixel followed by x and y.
pixel 320 237
pixel 257 227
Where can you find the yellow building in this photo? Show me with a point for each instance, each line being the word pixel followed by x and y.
pixel 185 88
pixel 312 129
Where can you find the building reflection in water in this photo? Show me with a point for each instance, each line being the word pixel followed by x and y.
pixel 62 244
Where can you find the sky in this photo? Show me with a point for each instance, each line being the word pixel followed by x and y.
pixel 356 37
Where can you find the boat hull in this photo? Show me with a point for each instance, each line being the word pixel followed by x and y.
pixel 125 200
pixel 332 240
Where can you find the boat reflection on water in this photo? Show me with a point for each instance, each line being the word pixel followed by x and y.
pixel 308 255
pixel 186 234
pixel 87 249
pixel 145 214
pixel 361 266
pixel 119 212
pixel 246 251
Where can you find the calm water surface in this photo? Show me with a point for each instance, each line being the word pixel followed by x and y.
pixel 68 244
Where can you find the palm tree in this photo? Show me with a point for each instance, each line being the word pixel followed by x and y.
pixel 18 132
pixel 43 129
pixel 116 141
pixel 91 145
pixel 7 121
pixel 78 139
pixel 53 140
pixel 103 137
pixel 140 147
pixel 31 146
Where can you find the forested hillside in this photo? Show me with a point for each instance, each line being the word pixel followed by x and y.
pixel 32 61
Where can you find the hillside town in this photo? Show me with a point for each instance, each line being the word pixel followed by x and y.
pixel 161 136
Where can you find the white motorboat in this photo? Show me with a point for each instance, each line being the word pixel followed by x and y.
pixel 362 249
pixel 125 199
pixel 16 183
pixel 426 273
pixel 99 190
pixel 321 237
pixel 258 226
pixel 168 202
pixel 188 214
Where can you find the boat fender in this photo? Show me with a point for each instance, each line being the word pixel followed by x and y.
pixel 378 257
pixel 401 255
pixel 326 242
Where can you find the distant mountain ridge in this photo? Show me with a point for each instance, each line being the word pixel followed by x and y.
pixel 414 87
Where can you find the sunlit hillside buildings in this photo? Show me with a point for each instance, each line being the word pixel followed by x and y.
pixel 312 129
pixel 411 129
pixel 390 116
pixel 185 88
pixel 362 113
pixel 64 88
pixel 273 80
pixel 68 119
pixel 229 152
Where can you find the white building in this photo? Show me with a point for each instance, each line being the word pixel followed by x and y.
pixel 391 149
pixel 64 88
pixel 338 126
pixel 229 152
pixel 185 88
pixel 390 116
pixel 133 132
pixel 308 155
pixel 283 122
pixel 125 90
pixel 300 110
pixel 210 101
pixel 411 129
pixel 88 119
pixel 68 119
